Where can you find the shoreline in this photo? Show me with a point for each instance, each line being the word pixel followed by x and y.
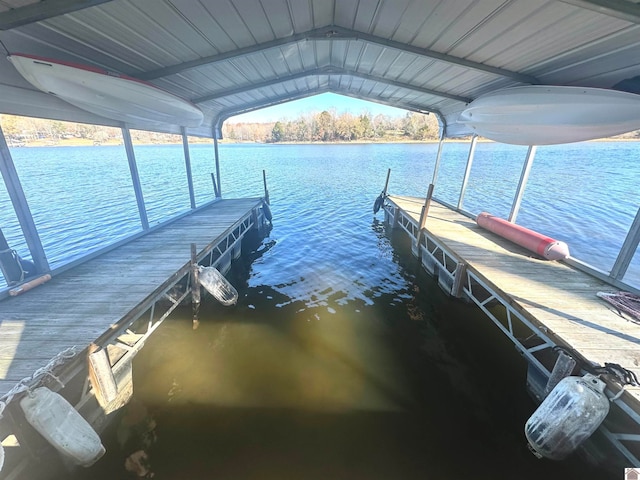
pixel 207 141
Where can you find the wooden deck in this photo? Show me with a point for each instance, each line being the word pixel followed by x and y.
pixel 79 305
pixel 561 300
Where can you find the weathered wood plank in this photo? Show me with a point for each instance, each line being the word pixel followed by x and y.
pixel 78 306
pixel 553 295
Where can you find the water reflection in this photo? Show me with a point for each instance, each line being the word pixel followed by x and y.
pixel 334 367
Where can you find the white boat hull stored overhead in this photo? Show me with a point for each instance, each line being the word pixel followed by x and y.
pixel 549 115
pixel 108 94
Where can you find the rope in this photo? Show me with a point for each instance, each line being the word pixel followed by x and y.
pixel 23 385
pixel 620 374
pixel 626 302
pixel 16 257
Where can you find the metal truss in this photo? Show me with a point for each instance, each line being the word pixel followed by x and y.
pixel 124 340
pixel 456 278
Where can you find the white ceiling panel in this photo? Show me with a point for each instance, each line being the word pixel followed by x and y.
pixel 500 24
pixel 323 12
pixel 412 21
pixel 301 15
pixel 345 14
pixel 204 23
pixel 365 15
pixel 387 18
pixel 450 26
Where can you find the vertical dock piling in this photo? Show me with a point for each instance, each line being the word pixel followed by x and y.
pixel 195 287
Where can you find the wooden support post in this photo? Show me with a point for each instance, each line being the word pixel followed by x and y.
pixel 195 286
pixel 427 203
pixel 459 279
pixel 386 183
pixel 101 376
pixel 423 220
pixel 415 245
pixel 266 191
pixel 187 163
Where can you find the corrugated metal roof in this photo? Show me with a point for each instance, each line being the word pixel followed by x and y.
pixel 232 56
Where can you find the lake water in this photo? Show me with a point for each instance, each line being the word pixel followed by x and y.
pixel 81 197
pixel 341 359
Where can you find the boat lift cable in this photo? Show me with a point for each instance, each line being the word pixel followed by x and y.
pixel 622 375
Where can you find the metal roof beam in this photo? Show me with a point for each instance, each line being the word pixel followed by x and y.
pixel 328 71
pixel 622 9
pixel 403 106
pixel 255 86
pixel 394 83
pixel 335 32
pixel 278 42
pixel 425 52
pixel 43 10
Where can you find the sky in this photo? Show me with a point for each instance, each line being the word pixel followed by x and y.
pixel 317 103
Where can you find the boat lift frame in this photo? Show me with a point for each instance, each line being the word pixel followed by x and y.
pixel 125 339
pixel 458 279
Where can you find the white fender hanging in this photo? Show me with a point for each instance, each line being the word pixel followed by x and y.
pixel 62 426
pixel 218 286
pixel 574 409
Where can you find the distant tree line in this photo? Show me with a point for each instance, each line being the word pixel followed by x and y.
pixel 27 130
pixel 325 126
pixel 328 126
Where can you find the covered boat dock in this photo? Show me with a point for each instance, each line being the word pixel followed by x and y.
pixel 234 56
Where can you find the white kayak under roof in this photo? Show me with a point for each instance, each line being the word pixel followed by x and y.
pixel 549 115
pixel 108 94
